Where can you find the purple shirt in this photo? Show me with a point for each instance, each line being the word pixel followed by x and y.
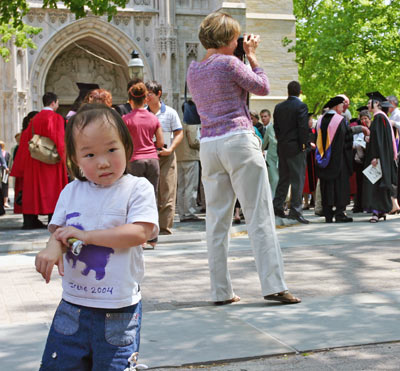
pixel 219 88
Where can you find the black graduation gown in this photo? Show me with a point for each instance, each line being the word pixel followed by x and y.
pixel 377 196
pixel 334 178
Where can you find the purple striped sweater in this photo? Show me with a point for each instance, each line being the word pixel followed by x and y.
pixel 218 86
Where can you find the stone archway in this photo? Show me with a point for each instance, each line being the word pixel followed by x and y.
pixel 61 56
pixel 86 61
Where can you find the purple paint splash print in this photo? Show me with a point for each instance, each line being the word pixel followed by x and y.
pixel 94 257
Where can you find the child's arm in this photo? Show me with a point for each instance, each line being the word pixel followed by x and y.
pixel 123 236
pixel 52 254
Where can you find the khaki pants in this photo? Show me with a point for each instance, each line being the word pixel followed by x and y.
pixel 167 193
pixel 188 181
pixel 234 166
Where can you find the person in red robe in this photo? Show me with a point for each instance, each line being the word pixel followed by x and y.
pixel 18 181
pixel 42 183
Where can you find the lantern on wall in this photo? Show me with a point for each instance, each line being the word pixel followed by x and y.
pixel 135 66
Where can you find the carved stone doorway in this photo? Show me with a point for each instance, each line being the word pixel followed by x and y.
pixel 86 60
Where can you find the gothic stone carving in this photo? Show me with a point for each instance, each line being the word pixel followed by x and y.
pixel 192 50
pixel 63 17
pixel 40 17
pixel 142 18
pixel 75 65
pixel 54 16
pixel 124 19
pixel 166 41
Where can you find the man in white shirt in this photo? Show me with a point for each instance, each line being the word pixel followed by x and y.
pixel 173 134
pixel 394 111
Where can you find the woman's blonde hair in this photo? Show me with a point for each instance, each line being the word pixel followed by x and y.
pixel 218 29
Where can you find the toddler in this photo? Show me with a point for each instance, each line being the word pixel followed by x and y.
pixel 97 323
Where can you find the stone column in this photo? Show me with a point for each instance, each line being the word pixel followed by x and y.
pixel 167 51
pixel 13 94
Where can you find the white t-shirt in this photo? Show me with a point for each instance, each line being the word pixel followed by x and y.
pixel 170 122
pixel 103 277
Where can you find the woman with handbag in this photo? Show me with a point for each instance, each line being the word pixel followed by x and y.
pixel 232 162
pixel 42 182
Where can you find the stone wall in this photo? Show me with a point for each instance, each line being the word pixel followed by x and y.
pixel 273 20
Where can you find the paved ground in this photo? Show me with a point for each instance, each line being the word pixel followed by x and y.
pixel 346 274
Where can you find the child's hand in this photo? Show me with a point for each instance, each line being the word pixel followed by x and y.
pixel 45 260
pixel 64 233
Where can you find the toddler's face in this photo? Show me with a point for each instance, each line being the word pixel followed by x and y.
pixel 100 153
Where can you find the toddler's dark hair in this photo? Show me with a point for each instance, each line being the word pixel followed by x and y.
pixel 89 113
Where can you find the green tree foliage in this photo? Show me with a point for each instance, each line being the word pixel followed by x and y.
pixel 13 28
pixel 346 47
pixel 21 36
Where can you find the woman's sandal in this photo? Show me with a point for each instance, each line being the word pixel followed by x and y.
pixel 374 219
pixel 284 297
pixel 235 299
pixel 393 212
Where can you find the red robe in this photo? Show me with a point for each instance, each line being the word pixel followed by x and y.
pixel 42 183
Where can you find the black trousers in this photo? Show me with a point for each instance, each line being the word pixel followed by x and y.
pixel 335 193
pixel 292 171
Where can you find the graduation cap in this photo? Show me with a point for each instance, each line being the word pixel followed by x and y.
pixel 375 95
pixel 379 98
pixel 85 88
pixel 334 102
pixel 362 108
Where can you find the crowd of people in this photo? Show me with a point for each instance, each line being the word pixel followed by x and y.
pixel 120 169
pixel 157 132
pixel 322 163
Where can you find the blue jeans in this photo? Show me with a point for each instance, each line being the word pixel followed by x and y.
pixel 83 338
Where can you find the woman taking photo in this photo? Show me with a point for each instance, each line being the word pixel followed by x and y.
pixel 143 126
pixel 231 158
